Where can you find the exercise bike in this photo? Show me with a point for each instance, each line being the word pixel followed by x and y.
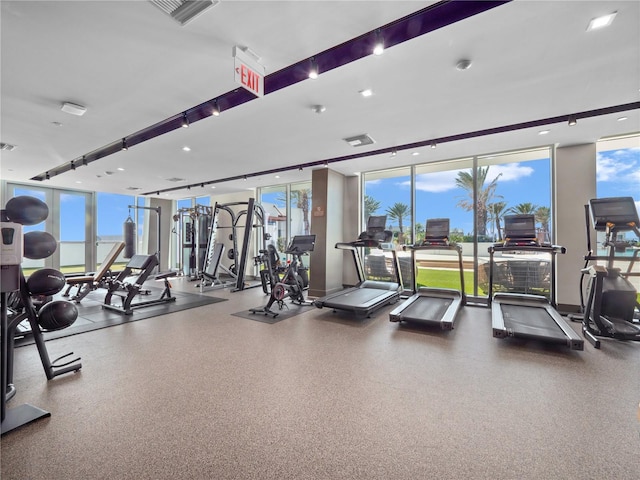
pixel 611 307
pixel 293 281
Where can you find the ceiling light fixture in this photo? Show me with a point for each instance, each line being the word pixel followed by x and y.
pixel 215 111
pixel 213 186
pixel 73 109
pixel 622 119
pixel 572 120
pixel 415 154
pixel 434 144
pixel 124 144
pixel 601 22
pixel 185 120
pixel 186 149
pixel 366 92
pixel 313 71
pixel 543 132
pixel 319 108
pixel 378 48
pixel 120 169
pixel 394 153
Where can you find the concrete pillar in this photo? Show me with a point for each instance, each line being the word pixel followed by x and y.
pixel 574 186
pixel 327 223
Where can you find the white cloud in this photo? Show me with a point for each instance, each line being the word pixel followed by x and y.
pixel 616 169
pixel 510 172
pixel 437 182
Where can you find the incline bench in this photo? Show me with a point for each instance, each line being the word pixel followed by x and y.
pixel 88 283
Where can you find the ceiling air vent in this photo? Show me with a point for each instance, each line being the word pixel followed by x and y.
pixel 183 11
pixel 7 147
pixel 359 140
pixel 175 179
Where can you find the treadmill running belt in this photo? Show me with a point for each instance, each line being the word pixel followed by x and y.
pixel 429 309
pixel 531 322
pixel 356 297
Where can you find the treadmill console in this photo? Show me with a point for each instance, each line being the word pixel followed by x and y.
pixel 375 234
pixel 520 230
pixel 436 232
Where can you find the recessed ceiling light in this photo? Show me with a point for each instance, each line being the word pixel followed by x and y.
pixel 186 149
pixel 366 93
pixel 622 119
pixel 415 154
pixel 213 186
pixel 543 132
pixel 601 22
pixel 78 181
pixel 277 176
pixel 121 169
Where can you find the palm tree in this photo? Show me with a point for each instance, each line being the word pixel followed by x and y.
pixel 484 194
pixel 543 216
pixel 526 208
pixel 496 213
pixel 371 205
pixel 302 199
pixel 398 212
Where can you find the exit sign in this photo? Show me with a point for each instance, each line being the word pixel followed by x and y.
pixel 248 73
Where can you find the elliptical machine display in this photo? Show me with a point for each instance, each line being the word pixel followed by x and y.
pixel 290 282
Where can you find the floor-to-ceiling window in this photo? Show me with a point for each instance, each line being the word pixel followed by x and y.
pixel 475 194
pixel 442 191
pixel 113 210
pixel 618 175
pixel 274 203
pixel 514 183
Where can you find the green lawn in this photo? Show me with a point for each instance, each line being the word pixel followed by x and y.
pixel 434 277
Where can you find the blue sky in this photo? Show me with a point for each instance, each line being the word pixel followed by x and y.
pixel 437 194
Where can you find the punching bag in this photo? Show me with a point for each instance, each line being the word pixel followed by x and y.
pixel 129 237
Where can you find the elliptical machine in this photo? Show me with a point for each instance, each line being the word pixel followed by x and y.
pixel 611 307
pixel 293 281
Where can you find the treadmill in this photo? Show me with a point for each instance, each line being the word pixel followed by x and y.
pixel 433 306
pixel 528 315
pixel 367 296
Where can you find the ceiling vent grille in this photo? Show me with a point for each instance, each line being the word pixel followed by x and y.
pixel 175 179
pixel 360 140
pixel 7 147
pixel 183 11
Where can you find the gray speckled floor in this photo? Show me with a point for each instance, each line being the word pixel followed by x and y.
pixel 203 394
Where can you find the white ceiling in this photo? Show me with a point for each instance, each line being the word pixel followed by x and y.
pixel 132 67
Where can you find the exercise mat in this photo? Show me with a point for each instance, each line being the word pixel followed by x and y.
pixel 91 315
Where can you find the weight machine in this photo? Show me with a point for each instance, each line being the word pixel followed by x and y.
pixel 193 226
pixel 254 219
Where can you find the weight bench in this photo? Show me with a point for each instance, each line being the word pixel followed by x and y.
pixel 129 284
pixel 88 283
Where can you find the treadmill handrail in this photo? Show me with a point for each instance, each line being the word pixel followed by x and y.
pixel 552 249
